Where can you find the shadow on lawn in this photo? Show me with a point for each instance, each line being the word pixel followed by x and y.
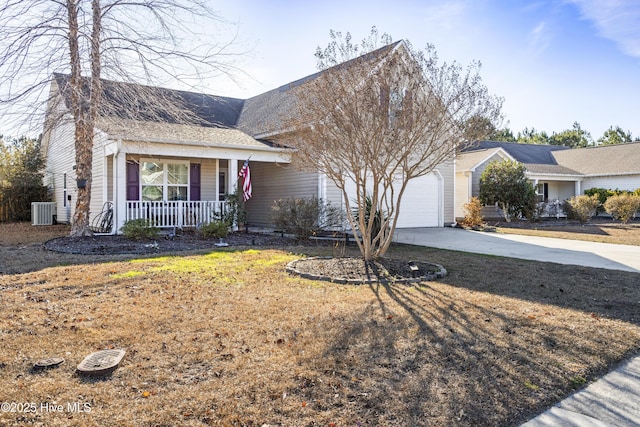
pixel 466 350
pixel 585 229
pixel 607 293
pixel 435 360
pixel 421 356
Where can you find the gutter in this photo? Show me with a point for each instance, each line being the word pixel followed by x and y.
pixel 205 144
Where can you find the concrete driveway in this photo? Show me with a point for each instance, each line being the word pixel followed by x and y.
pixel 561 251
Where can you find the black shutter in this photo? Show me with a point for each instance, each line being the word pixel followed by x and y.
pixel 194 181
pixel 133 181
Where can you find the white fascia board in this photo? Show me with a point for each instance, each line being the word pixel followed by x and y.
pixel 206 151
pixel 554 177
pixel 597 175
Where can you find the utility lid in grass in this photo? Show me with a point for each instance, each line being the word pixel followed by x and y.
pixel 50 362
pixel 101 362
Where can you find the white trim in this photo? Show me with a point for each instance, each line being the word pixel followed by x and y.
pixel 149 149
pixel 184 144
pixel 606 175
pixel 440 197
pixel 232 178
pixel 322 187
pixel 217 180
pixel 552 176
pixel 491 152
pixel 119 190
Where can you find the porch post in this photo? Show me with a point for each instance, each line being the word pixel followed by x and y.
pixel 578 190
pixel 232 180
pixel 119 190
pixel 217 180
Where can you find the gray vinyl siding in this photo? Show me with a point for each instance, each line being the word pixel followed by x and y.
pixel 475 185
pixel 60 159
pixel 208 179
pixel 624 182
pixel 488 212
pixel 559 190
pixel 462 194
pixel 98 194
pixel 333 195
pixel 447 170
pixel 270 182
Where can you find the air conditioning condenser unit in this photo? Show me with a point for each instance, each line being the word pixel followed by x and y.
pixel 43 213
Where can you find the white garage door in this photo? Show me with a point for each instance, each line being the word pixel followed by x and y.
pixel 421 203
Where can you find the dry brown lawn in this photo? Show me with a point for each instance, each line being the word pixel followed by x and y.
pixel 228 338
pixel 596 230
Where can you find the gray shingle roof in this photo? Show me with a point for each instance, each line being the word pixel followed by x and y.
pixel 524 153
pixel 136 130
pixel 603 160
pixel 263 114
pixel 558 160
pixel 151 104
pixel 550 169
pixel 257 116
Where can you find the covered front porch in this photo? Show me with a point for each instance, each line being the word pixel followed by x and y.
pixel 552 191
pixel 172 185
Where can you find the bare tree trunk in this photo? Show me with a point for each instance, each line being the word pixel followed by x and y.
pixel 84 117
pixel 83 135
pixel 84 146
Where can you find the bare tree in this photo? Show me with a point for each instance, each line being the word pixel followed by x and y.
pixel 137 41
pixel 382 119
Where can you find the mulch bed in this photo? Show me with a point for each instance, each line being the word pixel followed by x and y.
pixel 111 245
pixel 337 269
pixel 355 270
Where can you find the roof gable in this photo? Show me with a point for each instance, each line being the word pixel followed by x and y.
pixel 471 160
pixel 262 115
pixel 524 153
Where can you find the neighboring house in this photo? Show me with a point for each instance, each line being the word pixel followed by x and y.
pixel 558 173
pixel 151 166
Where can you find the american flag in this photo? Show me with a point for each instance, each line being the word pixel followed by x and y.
pixel 245 173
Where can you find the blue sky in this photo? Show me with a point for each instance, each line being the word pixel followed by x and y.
pixel 554 62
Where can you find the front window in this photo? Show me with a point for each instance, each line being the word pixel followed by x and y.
pixel 177 181
pixel 396 105
pixel 164 181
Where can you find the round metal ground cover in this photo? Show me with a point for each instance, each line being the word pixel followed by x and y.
pixel 50 362
pixel 101 362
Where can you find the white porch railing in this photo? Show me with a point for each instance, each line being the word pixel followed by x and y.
pixel 177 214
